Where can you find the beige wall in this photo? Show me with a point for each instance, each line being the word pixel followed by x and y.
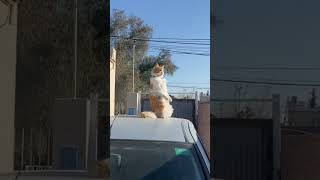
pixel 112 80
pixel 204 124
pixel 8 35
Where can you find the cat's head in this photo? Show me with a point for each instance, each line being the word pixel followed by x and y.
pixel 157 70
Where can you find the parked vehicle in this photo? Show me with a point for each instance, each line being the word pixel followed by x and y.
pixel 156 149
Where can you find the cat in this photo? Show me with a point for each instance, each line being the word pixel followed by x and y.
pixel 104 169
pixel 158 95
pixel 158 85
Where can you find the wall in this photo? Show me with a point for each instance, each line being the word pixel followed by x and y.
pixel 204 124
pixel 306 118
pixel 8 36
pixel 300 157
pixel 69 128
pixel 112 80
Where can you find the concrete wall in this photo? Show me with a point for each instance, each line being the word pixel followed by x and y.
pixel 204 124
pixel 300 157
pixel 69 129
pixel 8 35
pixel 112 80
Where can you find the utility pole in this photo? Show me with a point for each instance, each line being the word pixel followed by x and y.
pixel 75 47
pixel 133 51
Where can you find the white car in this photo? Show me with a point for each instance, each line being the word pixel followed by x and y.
pixel 156 149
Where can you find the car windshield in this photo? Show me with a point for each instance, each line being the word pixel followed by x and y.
pixel 150 160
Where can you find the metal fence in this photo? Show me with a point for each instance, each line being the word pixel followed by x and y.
pixel 242 149
pixel 183 108
pixel 33 149
pixel 246 146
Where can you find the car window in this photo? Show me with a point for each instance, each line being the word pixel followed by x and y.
pixel 149 160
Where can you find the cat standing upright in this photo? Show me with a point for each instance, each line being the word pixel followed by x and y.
pixel 158 94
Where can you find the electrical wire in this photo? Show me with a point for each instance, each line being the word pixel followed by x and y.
pixel 266 83
pixel 187 83
pixel 265 68
pixel 171 38
pixel 180 49
pixel 162 41
pixel 267 79
pixel 192 87
pixel 174 46
pixel 181 52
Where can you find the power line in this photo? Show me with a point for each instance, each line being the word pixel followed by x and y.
pixel 162 41
pixel 265 68
pixel 187 83
pixel 182 52
pixel 192 87
pixel 175 46
pixel 186 49
pixel 264 82
pixel 180 49
pixel 169 46
pixel 270 79
pixel 184 39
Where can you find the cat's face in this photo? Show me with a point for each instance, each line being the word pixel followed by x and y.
pixel 158 70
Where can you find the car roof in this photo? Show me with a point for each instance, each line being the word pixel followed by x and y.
pixel 161 129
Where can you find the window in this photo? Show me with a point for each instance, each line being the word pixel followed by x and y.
pixel 150 160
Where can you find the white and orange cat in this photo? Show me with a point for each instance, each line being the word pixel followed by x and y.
pixel 158 94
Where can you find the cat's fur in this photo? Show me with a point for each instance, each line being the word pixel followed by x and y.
pixel 158 94
pixel 148 114
pixel 104 169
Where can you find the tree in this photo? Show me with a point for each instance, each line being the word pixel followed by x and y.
pixel 246 113
pixel 163 58
pixel 123 30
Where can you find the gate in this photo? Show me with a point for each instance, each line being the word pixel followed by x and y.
pixel 183 108
pixel 246 149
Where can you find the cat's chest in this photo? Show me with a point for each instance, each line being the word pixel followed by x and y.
pixel 157 81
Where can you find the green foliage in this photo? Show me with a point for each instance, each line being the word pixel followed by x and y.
pixel 164 58
pixel 126 28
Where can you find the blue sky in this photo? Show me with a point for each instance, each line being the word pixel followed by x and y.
pixel 177 19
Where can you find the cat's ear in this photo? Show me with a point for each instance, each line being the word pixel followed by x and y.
pixel 161 65
pixel 156 65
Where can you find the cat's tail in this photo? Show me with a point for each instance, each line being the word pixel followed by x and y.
pixel 148 114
